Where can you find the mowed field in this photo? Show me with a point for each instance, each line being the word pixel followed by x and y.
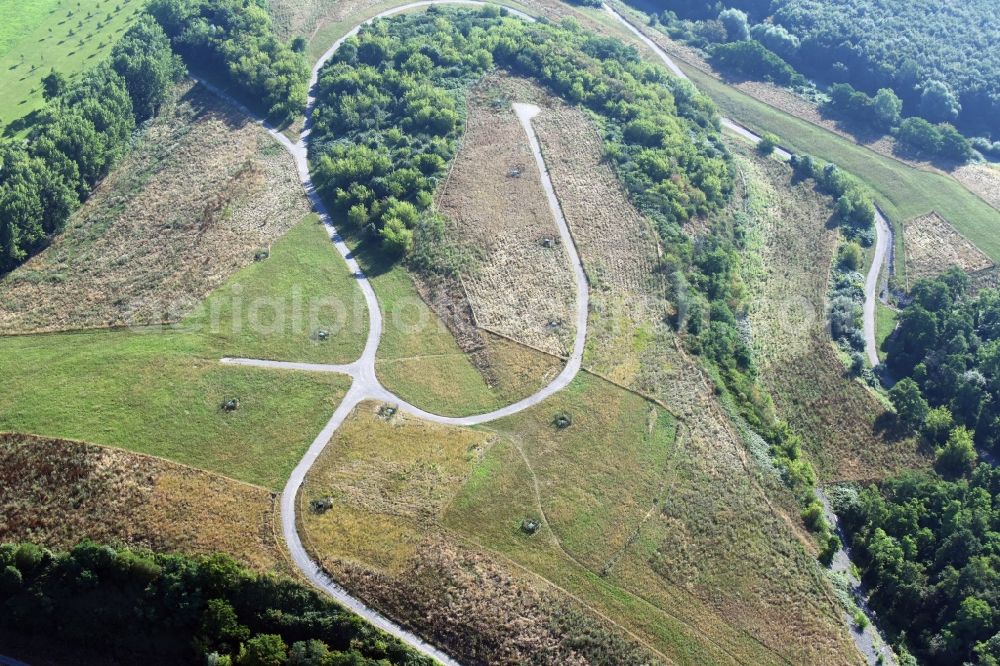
pixel 37 36
pixel 160 389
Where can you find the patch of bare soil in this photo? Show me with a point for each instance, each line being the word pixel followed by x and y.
pixel 520 282
pixel 933 246
pixel 728 534
pixel 202 191
pixel 58 492
pixel 983 179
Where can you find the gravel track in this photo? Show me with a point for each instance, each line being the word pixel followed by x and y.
pixel 365 384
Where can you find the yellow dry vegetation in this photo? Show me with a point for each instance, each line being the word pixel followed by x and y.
pixel 933 246
pixel 793 241
pixel 58 492
pixel 730 536
pixel 386 475
pixel 388 480
pixel 983 179
pixel 519 281
pixel 201 193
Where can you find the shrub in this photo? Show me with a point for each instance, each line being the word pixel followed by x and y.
pixel 849 256
pixel 768 142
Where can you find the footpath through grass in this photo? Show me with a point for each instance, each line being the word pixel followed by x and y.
pixel 67 35
pixel 158 394
pixel 160 390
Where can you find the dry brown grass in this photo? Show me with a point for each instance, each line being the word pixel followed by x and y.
pixel 519 283
pixel 983 179
pixel 203 190
pixel 618 246
pixel 390 479
pixel 839 419
pixel 58 492
pixel 728 536
pixel 933 246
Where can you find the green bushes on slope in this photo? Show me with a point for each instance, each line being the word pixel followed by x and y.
pixel 85 128
pixel 389 113
pixel 235 38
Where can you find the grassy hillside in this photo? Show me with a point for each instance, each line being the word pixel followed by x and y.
pixel 37 36
pixel 160 390
pixel 161 394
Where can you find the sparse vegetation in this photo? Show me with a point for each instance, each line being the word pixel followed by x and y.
pixel 933 246
pixel 201 192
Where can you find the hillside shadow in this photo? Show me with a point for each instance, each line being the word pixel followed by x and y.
pixel 15 127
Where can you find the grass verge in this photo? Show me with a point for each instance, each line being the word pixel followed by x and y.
pixel 301 303
pixel 885 324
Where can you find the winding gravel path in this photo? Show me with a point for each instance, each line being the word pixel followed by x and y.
pixel 365 384
pixel 883 231
pixel 869 640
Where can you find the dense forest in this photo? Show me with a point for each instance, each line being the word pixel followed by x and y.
pixel 946 352
pixel 389 114
pixel 929 548
pixel 940 59
pixel 128 606
pixel 927 542
pixel 78 137
pixel 235 38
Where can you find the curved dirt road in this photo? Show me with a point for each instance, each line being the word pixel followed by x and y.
pixel 883 231
pixel 365 384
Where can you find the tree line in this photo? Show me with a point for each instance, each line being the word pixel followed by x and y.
pixel 388 117
pixel 79 136
pixel 131 606
pixel 884 112
pixel 236 39
pixel 940 64
pixel 946 350
pixel 927 542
